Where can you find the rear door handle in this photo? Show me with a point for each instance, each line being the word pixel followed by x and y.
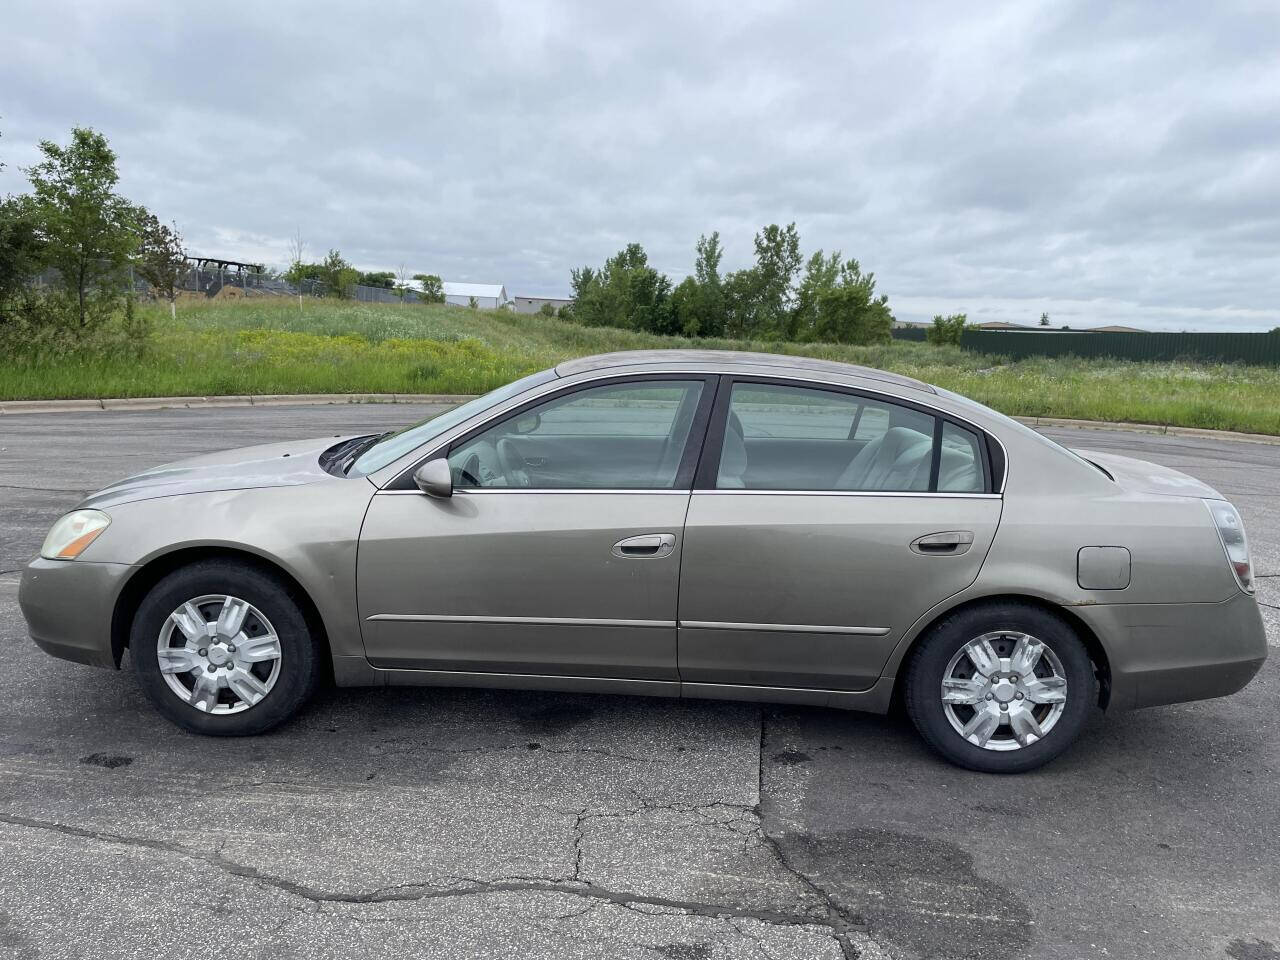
pixel 647 546
pixel 948 543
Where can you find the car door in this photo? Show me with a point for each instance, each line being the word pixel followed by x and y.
pixel 558 553
pixel 823 523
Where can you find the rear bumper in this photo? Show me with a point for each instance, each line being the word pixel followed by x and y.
pixel 68 605
pixel 1170 653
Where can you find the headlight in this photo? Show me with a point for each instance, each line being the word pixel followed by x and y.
pixel 1234 542
pixel 73 533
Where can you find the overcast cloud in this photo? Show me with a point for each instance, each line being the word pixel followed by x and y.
pixel 1104 162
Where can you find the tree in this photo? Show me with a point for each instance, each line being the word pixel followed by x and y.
pixel 88 230
pixel 432 287
pixel 161 259
pixel 947 329
pixel 402 281
pixel 383 279
pixel 848 311
pixel 338 276
pixel 473 303
pixel 547 310
pixel 626 292
pixel 698 302
pixel 821 275
pixel 21 250
pixel 297 250
pixel 1044 319
pixel 759 299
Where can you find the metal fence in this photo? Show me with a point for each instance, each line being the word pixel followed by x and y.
pixel 229 283
pixel 1261 349
pixel 232 283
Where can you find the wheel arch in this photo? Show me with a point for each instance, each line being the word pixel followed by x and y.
pixel 1088 636
pixel 158 567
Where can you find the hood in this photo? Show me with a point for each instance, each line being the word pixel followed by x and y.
pixel 267 465
pixel 1142 476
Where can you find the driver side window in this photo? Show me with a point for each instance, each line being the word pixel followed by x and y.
pixel 618 436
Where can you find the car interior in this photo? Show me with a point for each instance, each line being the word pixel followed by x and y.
pixel 633 435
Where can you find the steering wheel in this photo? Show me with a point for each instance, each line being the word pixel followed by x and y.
pixel 482 468
pixel 513 464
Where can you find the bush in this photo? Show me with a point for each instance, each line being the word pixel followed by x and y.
pixel 38 327
pixel 947 329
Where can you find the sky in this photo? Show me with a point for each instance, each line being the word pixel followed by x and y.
pixel 1103 162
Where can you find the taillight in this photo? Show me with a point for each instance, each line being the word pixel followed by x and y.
pixel 1234 542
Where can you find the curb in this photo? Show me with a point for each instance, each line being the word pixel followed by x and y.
pixel 202 403
pixel 1150 428
pixel 124 404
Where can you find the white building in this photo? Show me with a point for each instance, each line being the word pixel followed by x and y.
pixel 488 296
pixel 534 304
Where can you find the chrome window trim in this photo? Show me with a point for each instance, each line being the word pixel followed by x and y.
pixel 784 627
pixel 493 491
pixel 393 471
pixel 525 621
pixel 940 494
pixel 666 491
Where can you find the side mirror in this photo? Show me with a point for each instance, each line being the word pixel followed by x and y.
pixel 435 479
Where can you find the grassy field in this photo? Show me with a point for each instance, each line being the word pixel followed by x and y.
pixel 272 346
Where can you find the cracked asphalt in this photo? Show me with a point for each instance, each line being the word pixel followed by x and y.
pixel 455 823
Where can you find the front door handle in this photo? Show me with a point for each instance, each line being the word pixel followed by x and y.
pixel 647 546
pixel 948 543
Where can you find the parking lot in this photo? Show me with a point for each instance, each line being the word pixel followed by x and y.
pixel 456 823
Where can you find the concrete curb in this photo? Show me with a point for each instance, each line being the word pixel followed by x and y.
pixel 1152 428
pixel 124 404
pixel 201 403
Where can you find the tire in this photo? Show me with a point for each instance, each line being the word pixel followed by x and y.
pixel 955 649
pixel 250 697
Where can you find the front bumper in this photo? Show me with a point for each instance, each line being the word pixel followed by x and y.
pixel 1171 653
pixel 69 604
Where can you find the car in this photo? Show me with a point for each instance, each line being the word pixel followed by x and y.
pixel 687 523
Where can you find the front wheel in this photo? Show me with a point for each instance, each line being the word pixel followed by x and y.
pixel 222 648
pixel 1000 688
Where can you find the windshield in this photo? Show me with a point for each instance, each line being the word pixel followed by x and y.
pixel 396 445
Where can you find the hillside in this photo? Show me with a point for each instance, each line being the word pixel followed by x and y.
pixel 262 346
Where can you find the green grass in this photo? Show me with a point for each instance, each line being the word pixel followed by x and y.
pixel 271 346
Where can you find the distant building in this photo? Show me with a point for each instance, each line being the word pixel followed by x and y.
pixel 1115 328
pixel 1002 325
pixel 535 304
pixel 488 296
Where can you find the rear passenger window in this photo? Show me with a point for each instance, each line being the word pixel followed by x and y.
pixel 960 465
pixel 803 438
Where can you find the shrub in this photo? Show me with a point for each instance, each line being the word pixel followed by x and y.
pixel 947 329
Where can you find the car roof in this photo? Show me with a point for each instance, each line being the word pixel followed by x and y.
pixel 728 360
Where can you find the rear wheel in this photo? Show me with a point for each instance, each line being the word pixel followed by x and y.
pixel 223 648
pixel 1000 688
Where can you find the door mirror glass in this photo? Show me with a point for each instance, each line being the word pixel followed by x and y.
pixel 435 479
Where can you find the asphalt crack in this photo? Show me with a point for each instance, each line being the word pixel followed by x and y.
pixel 837 918
pixel 414 893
